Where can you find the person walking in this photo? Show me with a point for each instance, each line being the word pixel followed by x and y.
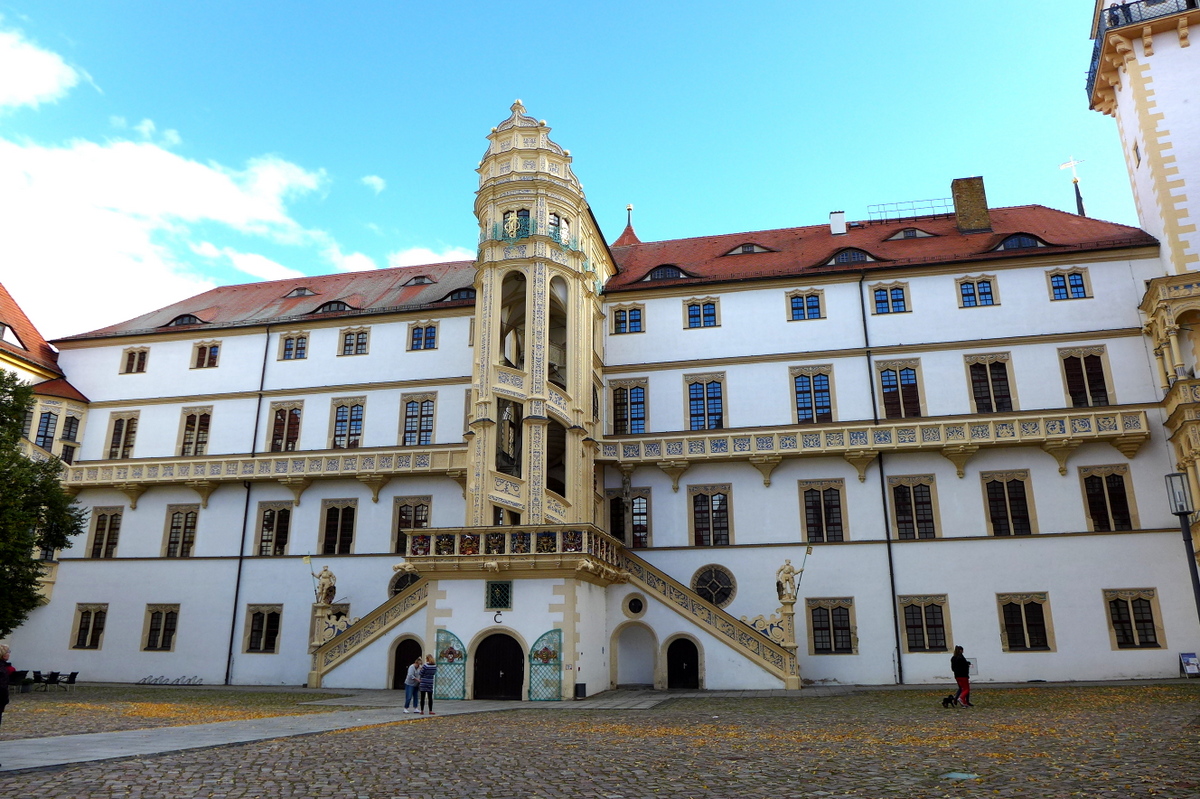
pixel 428 672
pixel 962 675
pixel 411 681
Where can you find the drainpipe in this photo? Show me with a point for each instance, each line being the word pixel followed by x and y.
pixel 883 499
pixel 237 583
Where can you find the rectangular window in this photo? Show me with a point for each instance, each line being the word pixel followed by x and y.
pixel 831 626
pixel 195 432
pixel 891 298
pixel 262 628
pixel 206 355
pixel 989 383
pixel 134 360
pixel 1083 368
pixel 924 623
pixel 976 292
pixel 70 431
pixel 702 312
pixel 1131 614
pixel 900 389
pixel 823 517
pixel 628 319
pixel 710 515
pixel 498 595
pixel 123 429
pixel 1069 285
pixel 913 507
pixel 89 626
pixel 274 529
pixel 418 419
pixel 1008 502
pixel 631 529
pixel 285 425
pixel 161 622
pixel 804 305
pixel 338 537
pixel 106 530
pixel 1026 622
pixel 47 426
pixel 1108 502
pixel 181 530
pixel 814 400
pixel 68 454
pixel 422 336
pixel 706 404
pixel 412 513
pixel 347 423
pixel 354 342
pixel 294 347
pixel 629 407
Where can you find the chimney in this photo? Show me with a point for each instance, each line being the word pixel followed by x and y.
pixel 970 205
pixel 837 222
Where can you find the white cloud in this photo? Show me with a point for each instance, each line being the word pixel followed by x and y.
pixel 30 75
pixel 423 255
pixel 343 262
pixel 259 265
pixel 171 137
pixel 374 182
pixel 146 128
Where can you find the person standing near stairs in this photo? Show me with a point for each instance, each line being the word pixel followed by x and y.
pixel 428 673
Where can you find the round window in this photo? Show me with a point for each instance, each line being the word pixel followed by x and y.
pixel 714 583
pixel 636 605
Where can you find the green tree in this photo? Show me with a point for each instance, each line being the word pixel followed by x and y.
pixel 35 512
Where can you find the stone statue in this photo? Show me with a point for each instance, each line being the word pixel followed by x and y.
pixel 785 580
pixel 326 586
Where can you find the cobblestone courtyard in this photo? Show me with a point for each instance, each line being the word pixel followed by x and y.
pixel 1107 741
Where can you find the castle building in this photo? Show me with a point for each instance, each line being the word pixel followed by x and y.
pixel 824 454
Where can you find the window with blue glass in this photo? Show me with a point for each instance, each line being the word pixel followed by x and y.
pixel 706 405
pixel 813 398
pixel 665 272
pixel 627 320
pixel 1018 242
pixel 1071 285
pixel 851 257
pixel 900 389
pixel 423 337
pixel 975 293
pixel 629 409
pixel 891 299
pixel 805 305
pixel 702 313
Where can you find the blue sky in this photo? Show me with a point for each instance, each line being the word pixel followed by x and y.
pixel 151 150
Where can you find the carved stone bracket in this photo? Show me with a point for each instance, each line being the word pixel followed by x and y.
pixel 674 470
pixel 1148 40
pixel 131 490
pixel 1183 32
pixel 296 485
pixel 1130 444
pixel 374 482
pixel 860 461
pixel 1061 450
pixel 959 455
pixel 766 464
pixel 459 476
pixel 204 488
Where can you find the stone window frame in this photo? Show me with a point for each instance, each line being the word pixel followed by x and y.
pixel 811 371
pixel 124 447
pixel 1129 595
pixel 1024 599
pixel 806 293
pixel 294 336
pixel 701 301
pixel 829 603
pixel 274 408
pixel 822 486
pixel 414 502
pixel 424 327
pixel 110 540
pixel 705 378
pixel 693 583
pixel 1104 470
pixel 202 354
pixel 180 437
pixel 94 637
pixel 879 367
pixel 924 601
pixel 625 308
pixel 266 610
pixel 889 287
pixel 1081 353
pixel 184 508
pixel 323 523
pixel 1067 271
pixel 635 492
pixel 349 403
pixel 419 397
pixel 911 481
pixel 146 627
pixel 1005 476
pixel 135 357
pixel 975 280
pixel 627 384
pixel 354 344
pixel 987 359
pixel 709 489
pixel 276 506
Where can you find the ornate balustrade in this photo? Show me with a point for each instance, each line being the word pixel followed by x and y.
pixel 366 631
pixel 551 540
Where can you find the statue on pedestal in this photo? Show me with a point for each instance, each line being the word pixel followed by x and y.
pixel 326 588
pixel 785 580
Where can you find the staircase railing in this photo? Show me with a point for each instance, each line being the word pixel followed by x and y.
pixel 366 631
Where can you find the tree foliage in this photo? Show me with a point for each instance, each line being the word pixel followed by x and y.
pixel 35 512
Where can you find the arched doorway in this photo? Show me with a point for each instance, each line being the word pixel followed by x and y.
pixel 408 650
pixel 499 668
pixel 635 656
pixel 683 665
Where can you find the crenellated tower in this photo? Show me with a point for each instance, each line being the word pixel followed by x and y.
pixel 542 262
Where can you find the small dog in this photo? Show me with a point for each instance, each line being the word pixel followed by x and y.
pixel 949 701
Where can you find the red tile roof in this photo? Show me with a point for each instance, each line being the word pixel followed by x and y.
pixel 59 387
pixel 627 237
pixel 36 350
pixel 802 251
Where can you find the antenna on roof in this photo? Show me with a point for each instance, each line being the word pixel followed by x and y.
pixel 1071 164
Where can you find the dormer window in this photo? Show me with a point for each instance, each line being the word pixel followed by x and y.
pixel 185 319
pixel 420 280
pixel 665 272
pixel 461 294
pixel 1020 241
pixel 9 336
pixel 851 256
pixel 909 233
pixel 332 306
pixel 300 292
pixel 743 249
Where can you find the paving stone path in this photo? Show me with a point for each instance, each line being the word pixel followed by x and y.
pixel 1093 741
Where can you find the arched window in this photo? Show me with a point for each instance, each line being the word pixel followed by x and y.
pixel 1018 242
pixel 665 272
pixel 185 319
pixel 461 294
pixel 851 257
pixel 334 305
